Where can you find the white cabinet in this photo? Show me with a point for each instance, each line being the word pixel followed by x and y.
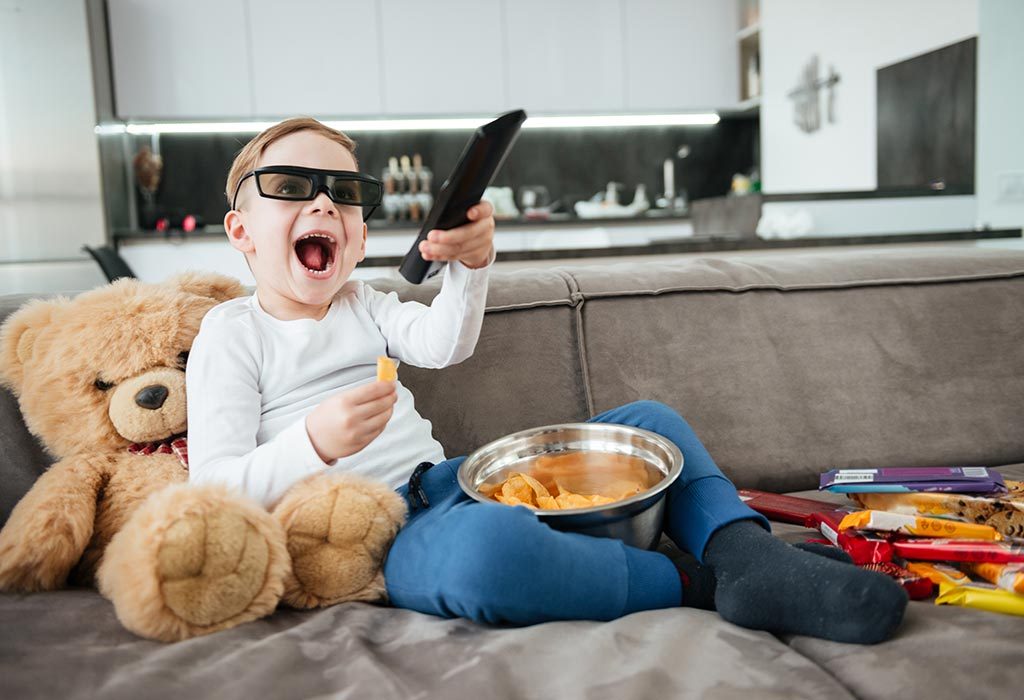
pixel 337 58
pixel 315 57
pixel 681 54
pixel 565 56
pixel 180 60
pixel 442 57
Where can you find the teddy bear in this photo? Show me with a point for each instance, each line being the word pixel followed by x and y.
pixel 100 381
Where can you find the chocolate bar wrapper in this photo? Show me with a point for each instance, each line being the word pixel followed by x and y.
pixel 958 550
pixel 1009 577
pixel 938 573
pixel 900 479
pixel 917 587
pixel 981 596
pixel 785 509
pixel 917 525
pixel 1004 512
pixel 862 548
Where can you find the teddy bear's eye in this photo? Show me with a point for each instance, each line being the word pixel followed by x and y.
pixel 183 358
pixel 102 385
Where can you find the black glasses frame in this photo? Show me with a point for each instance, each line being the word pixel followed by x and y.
pixel 321 180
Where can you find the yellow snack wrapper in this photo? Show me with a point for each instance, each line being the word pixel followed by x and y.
pixel 1004 512
pixel 387 370
pixel 1009 577
pixel 938 573
pixel 980 596
pixel 917 525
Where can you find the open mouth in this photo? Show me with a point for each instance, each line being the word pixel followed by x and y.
pixel 316 252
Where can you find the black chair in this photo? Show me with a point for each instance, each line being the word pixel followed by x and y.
pixel 112 264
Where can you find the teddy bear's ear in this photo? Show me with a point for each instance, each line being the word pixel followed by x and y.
pixel 208 284
pixel 18 335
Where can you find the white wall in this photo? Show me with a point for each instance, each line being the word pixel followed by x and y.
pixel 49 162
pixel 1000 144
pixel 857 38
pixel 50 198
pixel 882 215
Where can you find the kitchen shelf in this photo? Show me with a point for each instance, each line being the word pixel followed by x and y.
pixel 748 32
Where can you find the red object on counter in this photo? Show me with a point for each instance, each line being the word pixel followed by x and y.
pixel 163 224
pixel 917 587
pixel 929 549
pixel 188 224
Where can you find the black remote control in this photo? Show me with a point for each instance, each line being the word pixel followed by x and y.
pixel 477 166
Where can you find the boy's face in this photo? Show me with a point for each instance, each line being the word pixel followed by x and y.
pixel 294 270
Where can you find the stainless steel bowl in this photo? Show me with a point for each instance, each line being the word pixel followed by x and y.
pixel 636 520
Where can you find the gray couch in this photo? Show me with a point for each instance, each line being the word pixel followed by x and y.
pixel 786 366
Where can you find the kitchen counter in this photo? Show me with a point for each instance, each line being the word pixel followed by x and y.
pixel 155 256
pixel 379 226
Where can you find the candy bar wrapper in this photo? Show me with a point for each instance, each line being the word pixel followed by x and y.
pixel 1009 577
pixel 958 550
pixel 1003 512
pixel 899 479
pixel 917 525
pixel 917 587
pixel 862 548
pixel 981 596
pixel 785 509
pixel 938 573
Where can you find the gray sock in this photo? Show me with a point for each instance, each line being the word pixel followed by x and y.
pixel 764 583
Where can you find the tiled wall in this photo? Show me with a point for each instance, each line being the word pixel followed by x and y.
pixel 572 163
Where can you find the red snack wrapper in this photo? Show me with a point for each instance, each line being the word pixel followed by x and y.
pixel 862 548
pixel 958 550
pixel 785 509
pixel 917 587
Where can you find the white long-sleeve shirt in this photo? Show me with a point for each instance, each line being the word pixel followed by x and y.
pixel 251 379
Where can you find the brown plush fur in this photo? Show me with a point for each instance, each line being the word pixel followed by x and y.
pixel 337 522
pixel 176 560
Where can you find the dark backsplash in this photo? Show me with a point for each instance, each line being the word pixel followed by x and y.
pixel 572 163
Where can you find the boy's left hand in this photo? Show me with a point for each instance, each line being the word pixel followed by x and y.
pixel 471 244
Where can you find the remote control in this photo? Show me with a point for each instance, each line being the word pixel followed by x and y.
pixel 476 168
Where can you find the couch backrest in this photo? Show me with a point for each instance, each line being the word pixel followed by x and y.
pixel 785 365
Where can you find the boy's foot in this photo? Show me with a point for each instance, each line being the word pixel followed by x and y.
pixel 825 550
pixel 699 579
pixel 698 583
pixel 764 583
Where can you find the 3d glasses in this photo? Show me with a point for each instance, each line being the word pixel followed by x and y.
pixel 296 183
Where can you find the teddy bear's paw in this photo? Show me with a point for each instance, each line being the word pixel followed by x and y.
pixel 338 529
pixel 192 561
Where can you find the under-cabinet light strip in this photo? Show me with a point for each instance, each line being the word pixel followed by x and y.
pixel 356 125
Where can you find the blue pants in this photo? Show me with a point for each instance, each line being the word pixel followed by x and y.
pixel 500 565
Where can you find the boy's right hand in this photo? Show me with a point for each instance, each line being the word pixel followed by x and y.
pixel 347 422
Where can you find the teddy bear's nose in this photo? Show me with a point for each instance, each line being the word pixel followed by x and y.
pixel 152 397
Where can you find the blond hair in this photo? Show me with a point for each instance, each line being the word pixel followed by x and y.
pixel 247 158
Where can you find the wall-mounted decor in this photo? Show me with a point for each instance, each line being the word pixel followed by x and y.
pixel 806 96
pixel 926 120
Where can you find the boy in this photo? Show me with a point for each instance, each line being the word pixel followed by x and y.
pixel 281 387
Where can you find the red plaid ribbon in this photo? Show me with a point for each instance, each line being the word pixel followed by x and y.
pixel 177 446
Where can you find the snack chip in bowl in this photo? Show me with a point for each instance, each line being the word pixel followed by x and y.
pixel 573 480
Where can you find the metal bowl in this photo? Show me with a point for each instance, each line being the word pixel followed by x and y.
pixel 636 520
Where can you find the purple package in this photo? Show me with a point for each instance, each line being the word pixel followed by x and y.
pixel 904 479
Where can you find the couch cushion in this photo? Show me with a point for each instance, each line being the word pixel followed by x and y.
pixel 360 651
pixel 22 458
pixel 789 366
pixel 526 370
